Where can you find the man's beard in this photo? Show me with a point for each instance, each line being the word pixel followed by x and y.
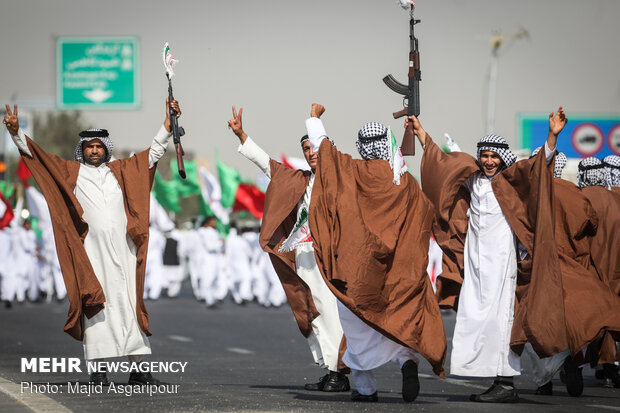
pixel 96 162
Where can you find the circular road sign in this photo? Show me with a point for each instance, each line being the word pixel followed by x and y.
pixel 587 139
pixel 614 139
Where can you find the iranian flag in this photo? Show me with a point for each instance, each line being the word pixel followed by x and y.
pixel 6 212
pixel 239 195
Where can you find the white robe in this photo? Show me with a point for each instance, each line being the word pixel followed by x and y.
pixel 481 340
pixel 114 331
pixel 480 345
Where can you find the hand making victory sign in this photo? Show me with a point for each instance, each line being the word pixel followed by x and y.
pixel 237 125
pixel 11 121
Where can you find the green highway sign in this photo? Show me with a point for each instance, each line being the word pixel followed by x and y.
pixel 97 73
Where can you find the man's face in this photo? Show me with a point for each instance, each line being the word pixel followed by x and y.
pixel 491 163
pixel 311 157
pixel 94 152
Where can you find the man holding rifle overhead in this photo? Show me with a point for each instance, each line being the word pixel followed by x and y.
pixel 100 216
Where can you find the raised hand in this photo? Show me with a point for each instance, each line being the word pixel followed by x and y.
pixel 177 109
pixel 557 121
pixel 236 124
pixel 317 110
pixel 417 129
pixel 11 121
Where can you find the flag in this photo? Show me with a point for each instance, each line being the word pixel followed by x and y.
pixel 6 212
pixel 238 195
pixel 23 173
pixel 249 197
pixel 169 61
pixel 165 192
pixel 211 203
pixel 294 163
pixel 229 181
pixel 190 185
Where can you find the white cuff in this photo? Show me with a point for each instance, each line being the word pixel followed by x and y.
pixel 254 153
pixel 21 142
pixel 316 132
pixel 549 153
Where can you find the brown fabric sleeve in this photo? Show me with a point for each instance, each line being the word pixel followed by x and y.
pixel 56 178
pixel 287 186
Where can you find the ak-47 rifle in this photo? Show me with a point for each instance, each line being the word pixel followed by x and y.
pixel 410 92
pixel 177 131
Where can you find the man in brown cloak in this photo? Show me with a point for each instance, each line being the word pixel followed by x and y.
pixel 373 224
pixel 488 211
pixel 591 317
pixel 286 236
pixel 100 216
pixel 599 183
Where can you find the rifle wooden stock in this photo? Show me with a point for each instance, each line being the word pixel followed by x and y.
pixel 407 146
pixel 180 164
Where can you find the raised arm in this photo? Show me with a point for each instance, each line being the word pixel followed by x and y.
pixel 161 140
pixel 314 126
pixel 557 122
pixel 247 147
pixel 17 134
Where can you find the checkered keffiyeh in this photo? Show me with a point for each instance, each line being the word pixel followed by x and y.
pixel 497 144
pixel 89 135
pixel 560 162
pixel 373 142
pixel 591 171
pixel 612 165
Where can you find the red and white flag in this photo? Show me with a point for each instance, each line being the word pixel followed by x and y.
pixel 169 61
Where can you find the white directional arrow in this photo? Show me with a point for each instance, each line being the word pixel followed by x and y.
pixel 97 95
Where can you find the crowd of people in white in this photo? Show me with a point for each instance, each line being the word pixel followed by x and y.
pixel 216 267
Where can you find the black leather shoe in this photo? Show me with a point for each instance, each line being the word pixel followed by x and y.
pixel 545 390
pixel 611 376
pixel 357 397
pixel 336 382
pixel 411 382
pixel 572 375
pixel 318 386
pixel 498 393
pixel 99 378
pixel 142 379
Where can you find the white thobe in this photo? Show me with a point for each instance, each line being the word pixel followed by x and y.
pixel 481 340
pixel 324 340
pixel 238 253
pixel 114 331
pixel 213 283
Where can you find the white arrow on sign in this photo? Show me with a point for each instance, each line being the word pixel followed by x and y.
pixel 97 95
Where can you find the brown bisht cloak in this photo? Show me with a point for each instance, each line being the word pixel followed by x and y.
pixel 286 188
pixel 606 244
pixel 592 308
pixel 371 240
pixel 525 194
pixel 57 179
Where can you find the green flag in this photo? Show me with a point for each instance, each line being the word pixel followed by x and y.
pixel 229 180
pixel 165 192
pixel 190 185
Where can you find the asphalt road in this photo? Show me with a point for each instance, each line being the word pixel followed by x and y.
pixel 239 358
